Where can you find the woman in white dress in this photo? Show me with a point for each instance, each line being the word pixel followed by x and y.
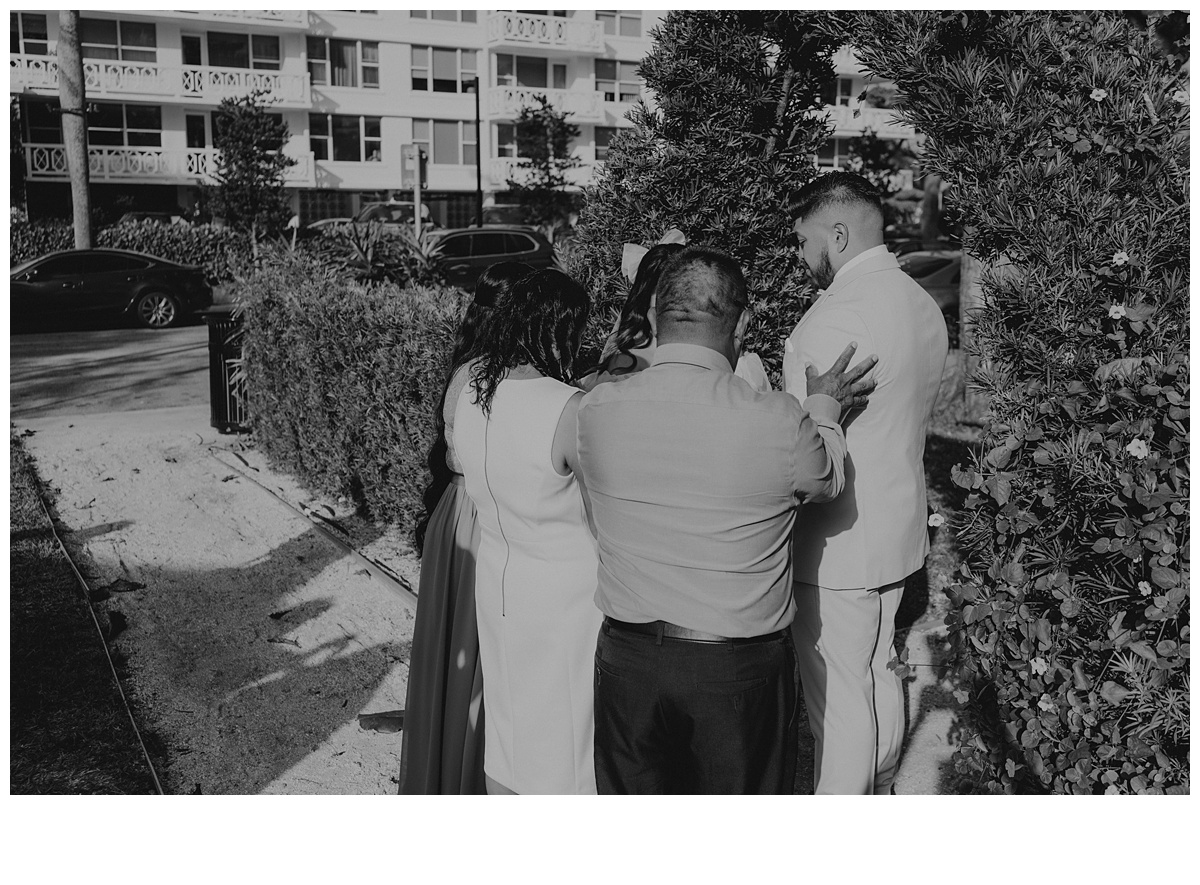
pixel 514 434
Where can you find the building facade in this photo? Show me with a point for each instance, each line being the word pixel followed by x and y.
pixel 354 87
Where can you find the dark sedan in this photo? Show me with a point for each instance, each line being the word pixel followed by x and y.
pixel 467 252
pixel 155 292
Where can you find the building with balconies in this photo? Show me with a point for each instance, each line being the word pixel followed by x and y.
pixel 354 87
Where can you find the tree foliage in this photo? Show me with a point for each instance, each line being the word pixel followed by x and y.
pixel 543 135
pixel 737 124
pixel 249 194
pixel 1064 138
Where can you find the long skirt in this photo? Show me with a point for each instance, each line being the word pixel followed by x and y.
pixel 442 745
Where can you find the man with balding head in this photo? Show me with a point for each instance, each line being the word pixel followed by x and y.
pixel 852 554
pixel 694 478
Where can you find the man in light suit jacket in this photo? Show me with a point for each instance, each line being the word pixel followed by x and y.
pixel 852 555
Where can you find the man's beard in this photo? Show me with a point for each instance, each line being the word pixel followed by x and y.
pixel 822 275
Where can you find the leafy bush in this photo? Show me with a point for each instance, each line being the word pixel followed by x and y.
pixel 372 252
pixel 733 136
pixel 1065 139
pixel 343 379
pixel 223 253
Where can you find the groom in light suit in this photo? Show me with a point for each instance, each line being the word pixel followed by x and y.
pixel 852 555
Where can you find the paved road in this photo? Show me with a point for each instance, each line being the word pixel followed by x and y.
pixel 97 370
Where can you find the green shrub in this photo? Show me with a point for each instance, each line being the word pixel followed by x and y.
pixel 343 380
pixel 222 252
pixel 33 239
pixel 373 253
pixel 1065 139
pixel 733 135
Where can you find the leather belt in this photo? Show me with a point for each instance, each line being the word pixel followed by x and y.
pixel 667 630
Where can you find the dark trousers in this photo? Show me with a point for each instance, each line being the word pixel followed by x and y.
pixel 674 716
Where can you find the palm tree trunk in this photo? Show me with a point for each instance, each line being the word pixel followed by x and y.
pixel 72 100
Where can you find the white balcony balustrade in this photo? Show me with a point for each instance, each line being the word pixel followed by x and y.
pixel 505 102
pixel 292 18
pixel 105 78
pixel 147 165
pixel 545 31
pixel 884 121
pixel 501 169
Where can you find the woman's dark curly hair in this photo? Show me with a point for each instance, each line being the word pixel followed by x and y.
pixel 540 324
pixel 633 328
pixel 493 287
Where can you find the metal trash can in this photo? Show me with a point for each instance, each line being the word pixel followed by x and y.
pixel 224 357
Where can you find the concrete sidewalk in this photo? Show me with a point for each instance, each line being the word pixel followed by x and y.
pixel 255 640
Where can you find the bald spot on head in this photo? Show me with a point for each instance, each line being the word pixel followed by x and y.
pixel 701 294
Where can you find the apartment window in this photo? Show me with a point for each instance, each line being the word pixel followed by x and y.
pixel 506 140
pixel 127 41
pixel 834 153
pixel 27 33
pixel 604 134
pixel 124 125
pixel 343 62
pixel 620 22
pixel 449 142
pixel 43 122
pixel 618 80
pixel 445 15
pixel 344 137
pixel 443 70
pixel 522 70
pixel 838 92
pixel 243 51
pixel 197 132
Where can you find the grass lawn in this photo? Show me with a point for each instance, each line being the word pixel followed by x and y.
pixel 69 733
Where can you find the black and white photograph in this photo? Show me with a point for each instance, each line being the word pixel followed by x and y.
pixel 416 402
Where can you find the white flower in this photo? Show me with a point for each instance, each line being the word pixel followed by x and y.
pixel 1038 666
pixel 1120 258
pixel 1138 449
pixel 1181 96
pixel 1046 704
pixel 1099 94
pixel 936 519
pixel 1144 588
pixel 1116 312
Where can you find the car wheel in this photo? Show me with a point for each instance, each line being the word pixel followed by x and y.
pixel 158 310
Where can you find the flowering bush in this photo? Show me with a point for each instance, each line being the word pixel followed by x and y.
pixel 343 379
pixel 1066 145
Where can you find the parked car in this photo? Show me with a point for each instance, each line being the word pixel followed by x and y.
pixel 467 252
pixel 394 212
pixel 157 293
pixel 939 272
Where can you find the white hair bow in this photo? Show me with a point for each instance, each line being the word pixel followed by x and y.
pixel 632 254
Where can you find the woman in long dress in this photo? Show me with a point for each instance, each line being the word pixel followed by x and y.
pixel 514 433
pixel 442 744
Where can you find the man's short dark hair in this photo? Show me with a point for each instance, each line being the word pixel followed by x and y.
pixel 836 188
pixel 701 285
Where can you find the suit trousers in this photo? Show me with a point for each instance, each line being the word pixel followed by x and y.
pixel 680 717
pixel 844 641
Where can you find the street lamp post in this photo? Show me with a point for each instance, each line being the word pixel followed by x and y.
pixel 478 161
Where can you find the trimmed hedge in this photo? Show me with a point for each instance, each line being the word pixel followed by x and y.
pixel 1065 140
pixel 222 252
pixel 344 379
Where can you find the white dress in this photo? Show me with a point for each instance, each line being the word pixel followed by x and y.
pixel 534 590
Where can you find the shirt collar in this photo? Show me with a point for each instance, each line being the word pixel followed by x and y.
pixel 692 355
pixel 858 259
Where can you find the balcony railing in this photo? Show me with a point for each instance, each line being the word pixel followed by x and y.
pixel 48 162
pixel 123 78
pixel 545 31
pixel 505 102
pixel 288 17
pixel 884 121
pixel 501 169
